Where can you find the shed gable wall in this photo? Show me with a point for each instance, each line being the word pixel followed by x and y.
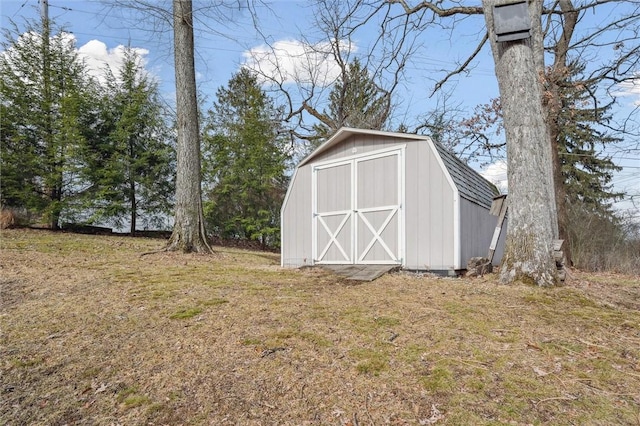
pixel 357 145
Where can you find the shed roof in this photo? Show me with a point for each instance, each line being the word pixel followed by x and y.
pixel 471 185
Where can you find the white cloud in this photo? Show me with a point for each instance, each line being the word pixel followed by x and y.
pixel 630 88
pixel 496 173
pixel 293 61
pixel 98 57
pixel 95 53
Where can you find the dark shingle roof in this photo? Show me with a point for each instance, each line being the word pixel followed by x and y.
pixel 471 185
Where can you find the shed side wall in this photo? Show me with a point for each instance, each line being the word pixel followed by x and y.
pixel 296 231
pixel 476 230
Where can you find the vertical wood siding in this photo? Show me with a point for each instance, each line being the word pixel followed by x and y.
pixel 429 211
pixel 296 221
pixel 476 230
pixel 333 193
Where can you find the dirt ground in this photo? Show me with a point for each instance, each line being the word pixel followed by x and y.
pixel 92 333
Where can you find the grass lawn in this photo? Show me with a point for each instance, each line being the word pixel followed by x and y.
pixel 94 334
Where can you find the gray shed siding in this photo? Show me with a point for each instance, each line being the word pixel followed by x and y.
pixel 476 230
pixel 335 207
pixel 357 145
pixel 443 225
pixel 296 221
pixel 378 202
pixel 429 211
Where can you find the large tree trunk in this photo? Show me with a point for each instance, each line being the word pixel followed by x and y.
pixel 532 213
pixel 188 232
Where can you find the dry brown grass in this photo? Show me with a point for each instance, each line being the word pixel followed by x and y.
pixel 92 333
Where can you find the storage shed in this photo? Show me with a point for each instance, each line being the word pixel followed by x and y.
pixel 372 197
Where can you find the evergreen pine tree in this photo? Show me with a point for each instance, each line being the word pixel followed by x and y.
pixel 44 93
pixel 581 140
pixel 354 101
pixel 129 158
pixel 587 173
pixel 245 158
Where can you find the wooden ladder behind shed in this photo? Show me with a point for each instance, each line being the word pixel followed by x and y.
pixel 498 208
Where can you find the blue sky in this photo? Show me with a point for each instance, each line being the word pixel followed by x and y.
pixel 220 55
pixel 223 46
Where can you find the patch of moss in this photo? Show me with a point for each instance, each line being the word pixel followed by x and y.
pixel 155 408
pixel 539 297
pixel 27 363
pixel 315 338
pixel 90 372
pixel 186 313
pixel 360 319
pixel 476 384
pixel 160 295
pixel 578 299
pixel 370 361
pixel 412 353
pixel 215 302
pixel 286 333
pixel 125 392
pixel 386 321
pixel 439 380
pixel 136 401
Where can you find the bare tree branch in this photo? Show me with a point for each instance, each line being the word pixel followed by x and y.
pixel 433 7
pixel 339 23
pixel 463 66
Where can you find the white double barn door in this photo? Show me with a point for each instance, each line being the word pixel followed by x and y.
pixel 358 210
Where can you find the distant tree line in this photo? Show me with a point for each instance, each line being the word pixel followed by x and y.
pixel 77 148
pixel 101 150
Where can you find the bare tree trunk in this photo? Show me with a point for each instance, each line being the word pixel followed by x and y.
pixel 134 207
pixel 55 175
pixel 188 232
pixel 553 105
pixel 532 213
